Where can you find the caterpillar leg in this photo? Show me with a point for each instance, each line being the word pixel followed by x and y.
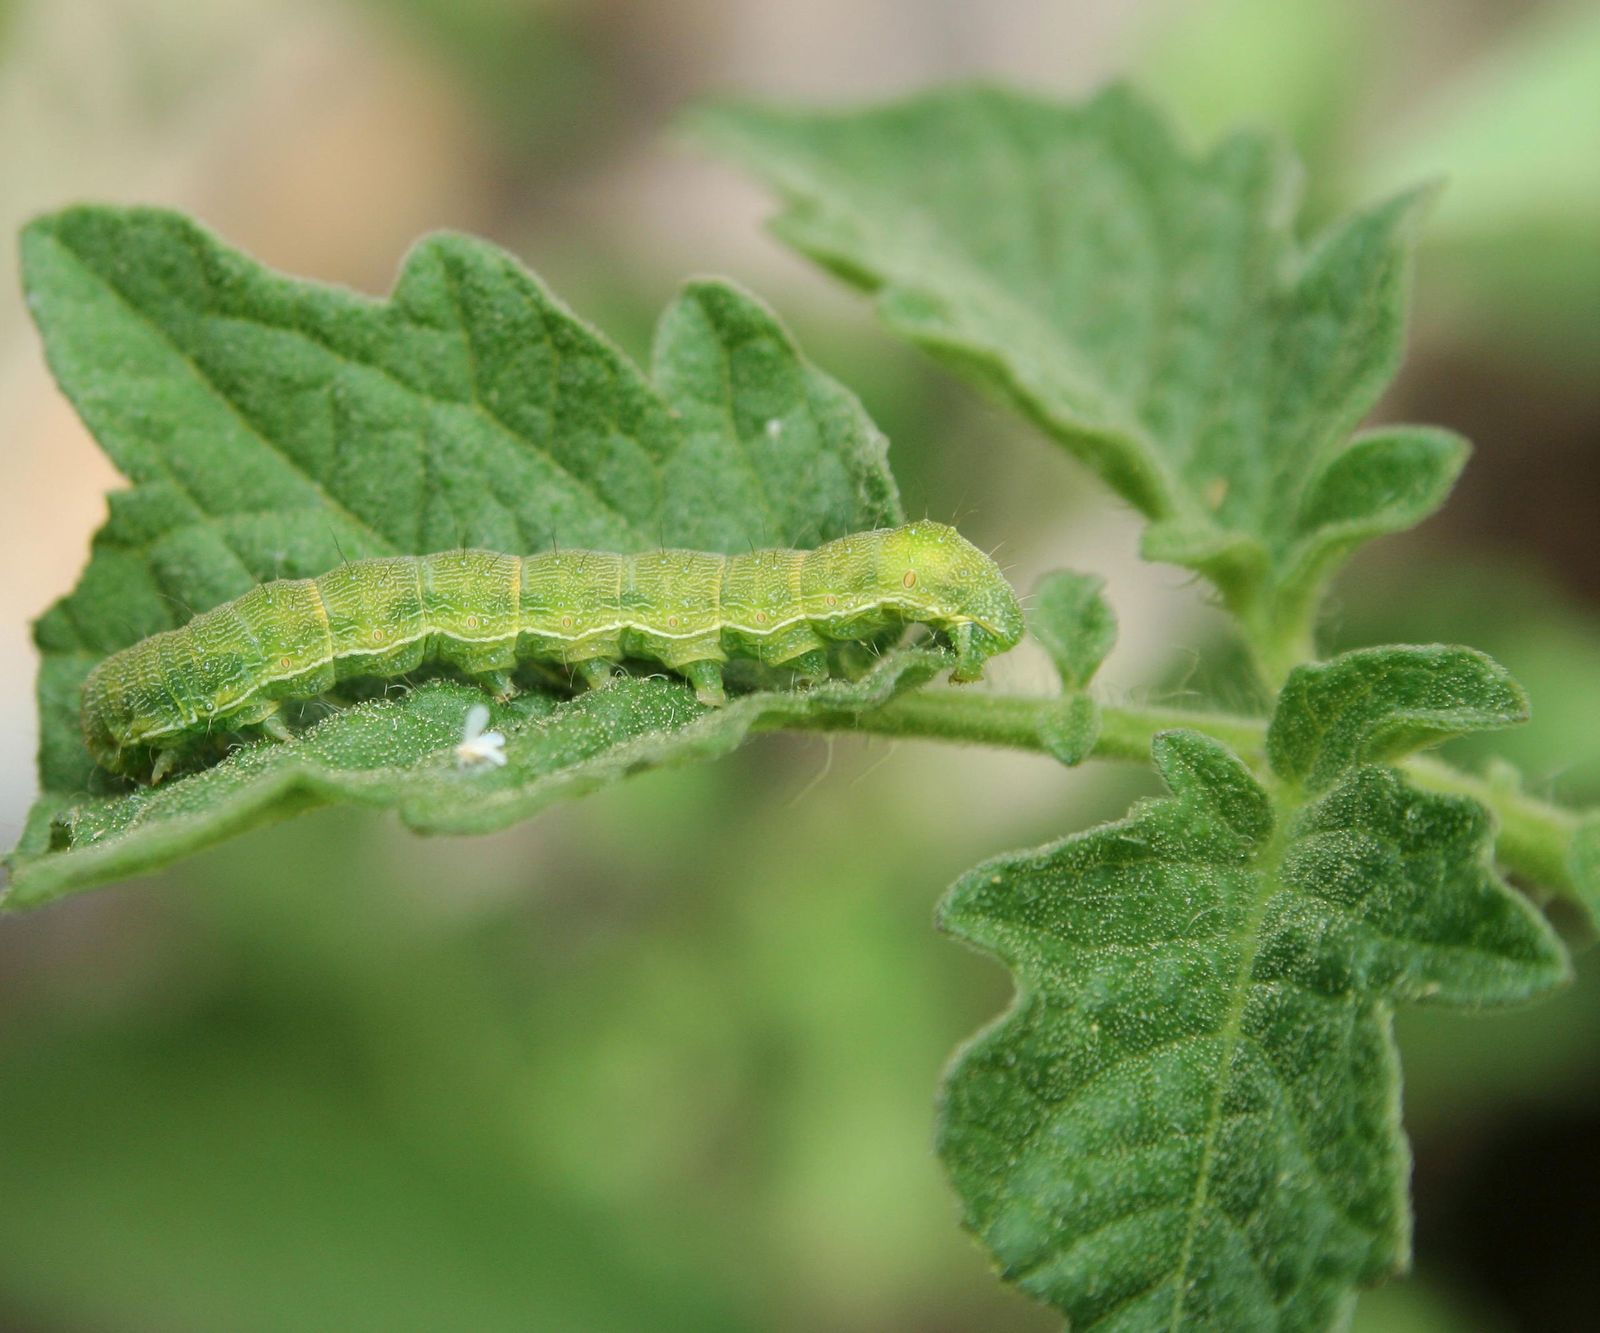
pixel 499 684
pixel 595 672
pixel 165 762
pixel 969 657
pixel 706 677
pixel 262 713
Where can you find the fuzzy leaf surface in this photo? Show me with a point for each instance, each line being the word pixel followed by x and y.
pixel 272 428
pixel 1380 703
pixel 1189 1118
pixel 1072 619
pixel 1149 307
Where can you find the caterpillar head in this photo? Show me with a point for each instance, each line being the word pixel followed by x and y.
pixel 129 718
pixel 950 583
pixel 99 714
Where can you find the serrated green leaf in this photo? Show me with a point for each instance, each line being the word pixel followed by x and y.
pixel 1375 704
pixel 1072 619
pixel 273 427
pixel 1190 1115
pixel 1378 482
pixel 1148 307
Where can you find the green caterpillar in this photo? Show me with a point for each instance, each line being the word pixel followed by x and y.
pixel 152 707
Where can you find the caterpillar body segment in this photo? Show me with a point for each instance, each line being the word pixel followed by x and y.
pixel 154 706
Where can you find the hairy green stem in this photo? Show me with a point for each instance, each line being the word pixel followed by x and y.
pixel 1534 838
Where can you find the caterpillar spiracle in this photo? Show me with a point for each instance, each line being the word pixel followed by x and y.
pixel 152 708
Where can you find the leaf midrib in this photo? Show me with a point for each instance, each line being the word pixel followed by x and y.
pixel 1266 867
pixel 475 403
pixel 205 381
pixel 453 279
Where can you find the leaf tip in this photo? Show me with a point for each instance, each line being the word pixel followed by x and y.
pixel 1376 705
pixel 1073 621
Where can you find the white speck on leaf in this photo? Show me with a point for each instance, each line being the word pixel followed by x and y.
pixel 477 746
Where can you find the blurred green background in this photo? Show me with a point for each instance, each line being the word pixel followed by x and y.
pixel 665 1059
